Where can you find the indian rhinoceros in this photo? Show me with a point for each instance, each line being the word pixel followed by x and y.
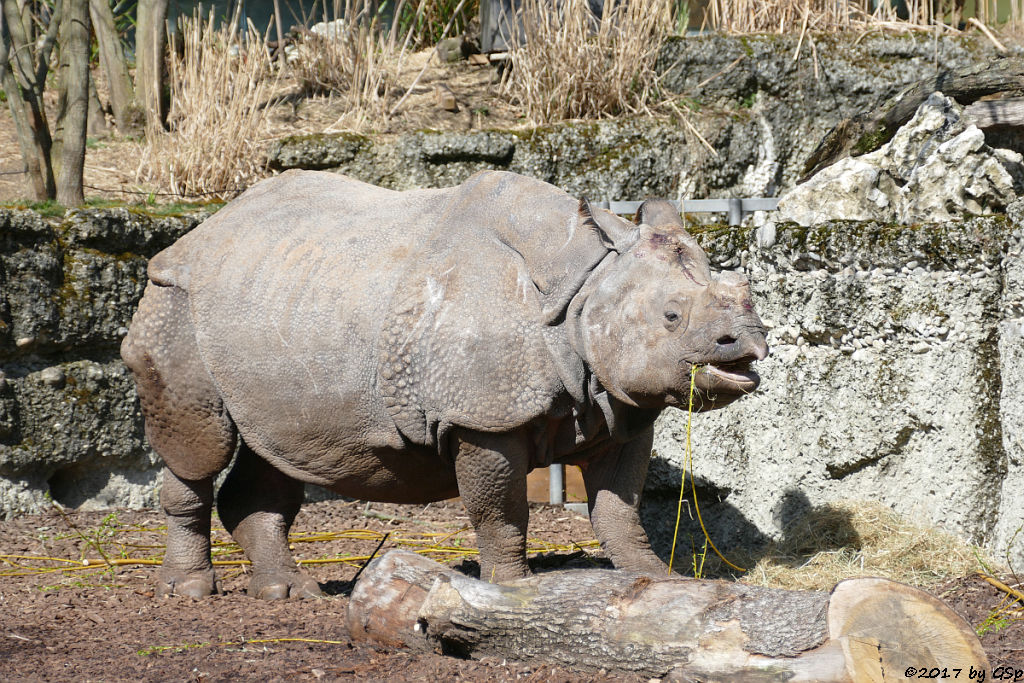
pixel 415 346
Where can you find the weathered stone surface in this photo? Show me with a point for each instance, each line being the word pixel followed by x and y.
pixel 604 160
pixel 802 93
pixel 935 168
pixel 75 283
pixel 450 50
pixel 69 420
pixel 316 151
pixel 31 272
pixel 895 375
pixel 444 98
pixel 120 230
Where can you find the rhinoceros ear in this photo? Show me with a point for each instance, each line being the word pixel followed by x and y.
pixel 615 233
pixel 655 212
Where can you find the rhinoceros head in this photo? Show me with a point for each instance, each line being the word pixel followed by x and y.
pixel 657 310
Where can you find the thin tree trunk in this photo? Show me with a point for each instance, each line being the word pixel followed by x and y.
pixel 23 131
pixel 127 114
pixel 97 114
pixel 688 629
pixel 281 56
pixel 75 93
pixel 151 42
pixel 24 79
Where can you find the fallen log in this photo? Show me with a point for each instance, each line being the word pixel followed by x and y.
pixel 1007 112
pixel 866 629
pixel 868 131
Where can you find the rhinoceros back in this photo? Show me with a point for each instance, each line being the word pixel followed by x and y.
pixel 335 315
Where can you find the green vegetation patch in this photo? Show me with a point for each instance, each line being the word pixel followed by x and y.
pixel 872 140
pixel 149 207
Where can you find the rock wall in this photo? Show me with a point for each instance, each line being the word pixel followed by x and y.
pixel 760 102
pixel 895 375
pixel 937 167
pixel 70 425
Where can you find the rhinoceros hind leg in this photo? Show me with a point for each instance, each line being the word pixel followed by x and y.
pixel 187 569
pixel 257 504
pixel 187 425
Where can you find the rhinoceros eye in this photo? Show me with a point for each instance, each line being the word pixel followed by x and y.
pixel 672 318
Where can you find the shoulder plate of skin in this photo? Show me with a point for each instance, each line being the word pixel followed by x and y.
pixel 518 250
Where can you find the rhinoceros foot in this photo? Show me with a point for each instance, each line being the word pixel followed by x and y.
pixel 196 585
pixel 282 585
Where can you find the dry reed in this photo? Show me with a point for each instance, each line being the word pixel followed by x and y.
pixel 216 125
pixel 862 538
pixel 576 65
pixel 798 16
pixel 355 59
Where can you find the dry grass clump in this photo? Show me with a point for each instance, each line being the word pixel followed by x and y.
pixel 354 59
pixel 777 16
pixel 217 123
pixel 862 538
pixel 794 16
pixel 576 65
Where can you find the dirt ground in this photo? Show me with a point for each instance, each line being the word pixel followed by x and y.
pixel 63 619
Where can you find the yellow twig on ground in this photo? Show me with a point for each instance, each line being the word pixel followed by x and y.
pixel 1012 592
pixel 424 544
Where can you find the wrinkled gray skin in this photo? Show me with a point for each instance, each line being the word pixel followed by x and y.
pixel 410 347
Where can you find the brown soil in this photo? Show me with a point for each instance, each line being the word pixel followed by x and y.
pixel 95 624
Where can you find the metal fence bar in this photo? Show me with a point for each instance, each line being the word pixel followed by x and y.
pixel 734 207
pixel 556 484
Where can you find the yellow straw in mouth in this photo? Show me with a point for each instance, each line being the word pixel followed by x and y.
pixel 682 484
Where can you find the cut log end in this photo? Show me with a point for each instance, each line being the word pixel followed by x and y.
pixel 885 627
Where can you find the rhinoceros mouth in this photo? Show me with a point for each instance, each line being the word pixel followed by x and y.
pixel 731 377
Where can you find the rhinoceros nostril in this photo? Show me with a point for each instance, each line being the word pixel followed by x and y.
pixel 725 340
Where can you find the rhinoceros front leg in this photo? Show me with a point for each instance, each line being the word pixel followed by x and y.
pixel 257 504
pixel 491 472
pixel 614 481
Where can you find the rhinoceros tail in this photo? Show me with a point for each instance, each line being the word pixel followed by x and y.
pixel 167 269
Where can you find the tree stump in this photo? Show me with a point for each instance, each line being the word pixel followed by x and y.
pixel 870 130
pixel 866 629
